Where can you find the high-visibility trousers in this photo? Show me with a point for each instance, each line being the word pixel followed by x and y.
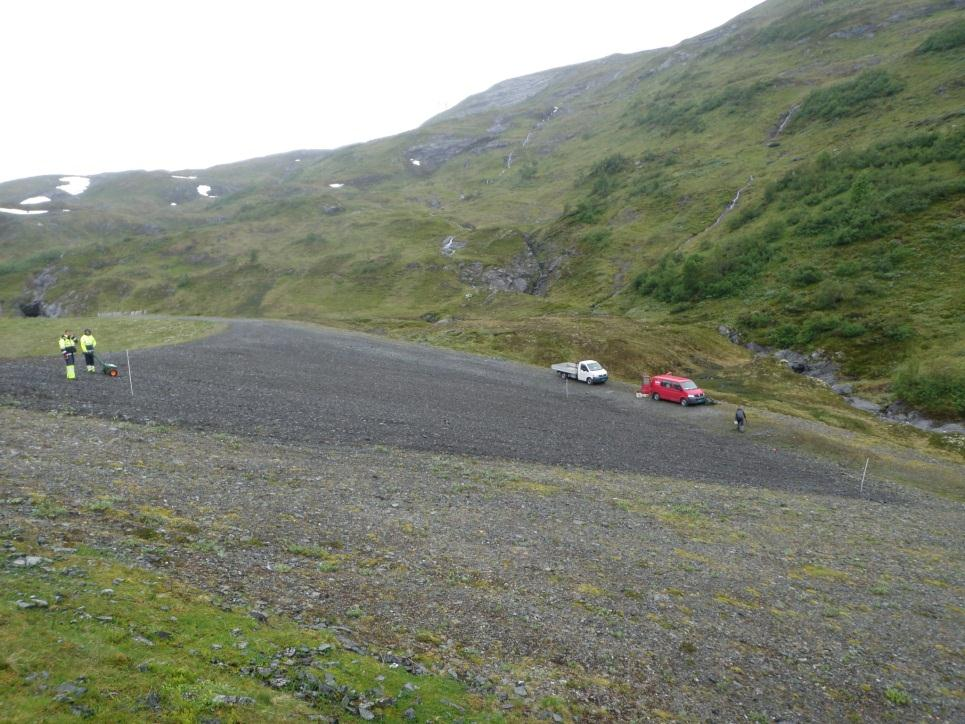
pixel 69 360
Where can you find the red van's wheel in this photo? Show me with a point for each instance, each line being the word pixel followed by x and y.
pixel 655 396
pixel 683 401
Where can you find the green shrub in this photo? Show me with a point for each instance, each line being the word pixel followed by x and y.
pixel 672 117
pixel 773 231
pixel 611 165
pixel 847 269
pixel 897 696
pixel 754 320
pixel 851 329
pixel 949 37
pixel 817 325
pixel 724 271
pixel 585 212
pixel 675 116
pixel 848 98
pixel 897 331
pixel 528 171
pixel 936 385
pixel 805 276
pixel 784 336
pixel 743 217
pixel 832 293
pixel 598 238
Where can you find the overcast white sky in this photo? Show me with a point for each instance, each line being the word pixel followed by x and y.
pixel 112 85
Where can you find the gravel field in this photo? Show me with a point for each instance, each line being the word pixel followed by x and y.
pixel 620 597
pixel 289 382
pixel 561 547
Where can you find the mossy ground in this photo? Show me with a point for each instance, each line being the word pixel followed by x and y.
pixel 146 647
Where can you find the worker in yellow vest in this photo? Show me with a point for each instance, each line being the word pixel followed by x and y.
pixel 87 344
pixel 68 346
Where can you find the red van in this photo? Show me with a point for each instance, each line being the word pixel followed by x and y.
pixel 674 389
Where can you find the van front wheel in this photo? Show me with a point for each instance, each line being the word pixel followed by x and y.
pixel 683 402
pixel 655 396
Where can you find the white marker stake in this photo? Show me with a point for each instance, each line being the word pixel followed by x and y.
pixel 861 489
pixel 130 377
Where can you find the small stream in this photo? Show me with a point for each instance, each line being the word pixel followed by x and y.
pixel 818 367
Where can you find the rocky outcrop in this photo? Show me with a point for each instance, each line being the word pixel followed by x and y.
pixel 437 150
pixel 818 366
pixel 32 302
pixel 532 271
pixel 569 81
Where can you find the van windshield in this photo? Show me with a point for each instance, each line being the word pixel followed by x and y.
pixel 690 385
pixel 594 366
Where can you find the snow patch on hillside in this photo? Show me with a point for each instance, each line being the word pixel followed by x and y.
pixel 186 178
pixel 23 212
pixel 205 191
pixel 35 200
pixel 74 185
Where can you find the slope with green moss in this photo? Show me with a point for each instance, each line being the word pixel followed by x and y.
pixel 795 174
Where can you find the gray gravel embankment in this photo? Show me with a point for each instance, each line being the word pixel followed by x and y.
pixel 289 382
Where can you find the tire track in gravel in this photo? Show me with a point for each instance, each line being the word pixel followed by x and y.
pixel 287 381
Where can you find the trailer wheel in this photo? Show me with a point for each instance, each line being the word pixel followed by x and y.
pixel 655 396
pixel 113 373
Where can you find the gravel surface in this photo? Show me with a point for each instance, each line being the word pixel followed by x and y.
pixel 607 596
pixel 289 382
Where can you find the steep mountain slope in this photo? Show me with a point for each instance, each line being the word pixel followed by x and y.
pixel 795 174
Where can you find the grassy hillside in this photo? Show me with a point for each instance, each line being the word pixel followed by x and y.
pixel 794 174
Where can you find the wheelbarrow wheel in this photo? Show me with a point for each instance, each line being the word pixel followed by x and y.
pixel 112 373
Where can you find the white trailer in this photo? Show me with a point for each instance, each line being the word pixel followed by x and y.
pixel 589 371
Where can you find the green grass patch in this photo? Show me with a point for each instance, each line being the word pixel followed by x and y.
pixel 35 336
pixel 117 643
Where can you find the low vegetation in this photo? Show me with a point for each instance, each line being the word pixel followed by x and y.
pixel 84 635
pixel 36 336
pixel 848 99
pixel 949 37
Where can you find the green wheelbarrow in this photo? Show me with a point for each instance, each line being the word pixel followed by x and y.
pixel 107 368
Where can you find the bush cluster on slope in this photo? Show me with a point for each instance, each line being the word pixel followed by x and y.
pixel 949 37
pixel 876 199
pixel 937 385
pixel 849 98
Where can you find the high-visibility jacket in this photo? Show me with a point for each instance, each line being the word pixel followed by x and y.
pixel 87 343
pixel 68 344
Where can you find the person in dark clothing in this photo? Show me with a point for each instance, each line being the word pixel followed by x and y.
pixel 740 418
